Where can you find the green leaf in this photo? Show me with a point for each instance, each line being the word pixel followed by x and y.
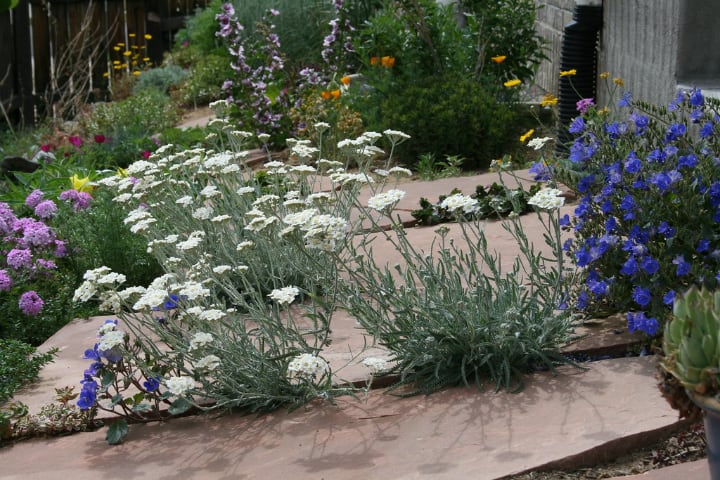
pixel 181 405
pixel 117 432
pixel 8 4
pixel 141 407
pixel 108 378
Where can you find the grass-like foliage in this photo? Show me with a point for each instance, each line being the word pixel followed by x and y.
pixel 19 365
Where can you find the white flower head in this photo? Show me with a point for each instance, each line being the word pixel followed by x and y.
pixel 375 364
pixel 308 366
pixel 285 295
pixel 400 172
pixel 111 339
pixel 548 199
pixel 179 385
pixel 386 201
pixel 209 363
pixel 538 143
pixel 458 201
pixel 199 340
pixel 210 191
pixel 396 136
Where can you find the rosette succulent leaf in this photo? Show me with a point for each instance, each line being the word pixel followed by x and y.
pixel 690 342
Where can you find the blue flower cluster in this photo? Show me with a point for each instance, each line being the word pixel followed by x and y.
pixel 648 221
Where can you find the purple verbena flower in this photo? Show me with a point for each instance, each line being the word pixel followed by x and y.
pixel 30 303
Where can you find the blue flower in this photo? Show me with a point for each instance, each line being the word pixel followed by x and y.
pixel 92 353
pixel 586 183
pixel 542 172
pixel 657 156
pixel 689 161
pixel 582 258
pixel 641 296
pixel 606 207
pixel 714 192
pixel 696 98
pixel 598 287
pixel 650 265
pixel 630 267
pixel 632 163
pixel 641 123
pixel 638 321
pixel 683 267
pixel 669 297
pixel 661 180
pixel 152 384
pixel 564 221
pixel 615 129
pixel 665 229
pixel 627 203
pixel 583 300
pixel 613 174
pixel 577 125
pixel 610 224
pixel 625 100
pixel 88 395
pixel 675 131
pixel 706 130
pixel 567 245
pixel 703 246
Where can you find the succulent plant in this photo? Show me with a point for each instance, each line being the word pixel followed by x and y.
pixel 690 343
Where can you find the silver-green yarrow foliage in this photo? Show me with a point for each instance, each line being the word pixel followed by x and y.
pixel 451 315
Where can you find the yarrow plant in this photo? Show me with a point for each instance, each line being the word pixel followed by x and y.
pixel 646 226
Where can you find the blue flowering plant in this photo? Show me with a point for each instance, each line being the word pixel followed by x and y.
pixel 647 222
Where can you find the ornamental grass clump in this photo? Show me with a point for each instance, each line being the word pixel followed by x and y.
pixel 452 315
pixel 647 223
pixel 243 313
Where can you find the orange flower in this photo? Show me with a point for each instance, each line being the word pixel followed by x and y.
pixel 325 95
pixel 345 80
pixel 387 61
pixel 512 83
pixel 335 94
pixel 498 58
pixel 373 60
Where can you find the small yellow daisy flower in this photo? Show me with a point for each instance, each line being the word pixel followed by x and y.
pixel 604 74
pixel 512 83
pixel 618 81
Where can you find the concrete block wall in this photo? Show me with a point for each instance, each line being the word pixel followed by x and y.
pixel 639 43
pixel 552 16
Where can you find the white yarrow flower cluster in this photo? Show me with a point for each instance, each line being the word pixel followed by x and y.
pixel 325 232
pixel 307 365
pixel 538 142
pixel 548 199
pixel 375 364
pixel 179 385
pixel 111 339
pixel 199 340
pixel 458 201
pixel 386 200
pixel 209 363
pixel 285 295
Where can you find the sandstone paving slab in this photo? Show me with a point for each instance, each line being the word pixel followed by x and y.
pixel 456 433
pixel 697 470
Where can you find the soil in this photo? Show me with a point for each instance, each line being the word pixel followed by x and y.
pixel 686 445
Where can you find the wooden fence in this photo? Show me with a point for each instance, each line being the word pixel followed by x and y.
pixel 40 38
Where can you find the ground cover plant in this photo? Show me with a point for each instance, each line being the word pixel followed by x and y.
pixel 647 222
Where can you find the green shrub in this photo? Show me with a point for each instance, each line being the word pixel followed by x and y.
pixel 449 115
pixel 19 365
pixel 161 78
pixel 139 116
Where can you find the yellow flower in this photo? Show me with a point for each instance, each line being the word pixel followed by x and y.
pixel 120 44
pixel 498 58
pixel 568 73
pixel 131 35
pixel 512 83
pixel 116 48
pixel 148 36
pixel 121 172
pixel 146 59
pixel 116 62
pixel 81 184
pixel 345 80
pixel 548 100
pixel 527 135
pixel 136 73
pixel 604 74
pixel 618 81
pixel 106 74
pixel 127 53
pixel 604 111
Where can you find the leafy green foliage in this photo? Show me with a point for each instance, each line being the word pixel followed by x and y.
pixel 19 365
pixel 449 115
pixel 496 201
